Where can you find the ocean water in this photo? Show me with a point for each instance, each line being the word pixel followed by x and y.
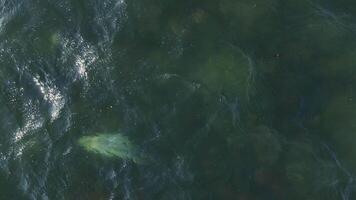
pixel 227 99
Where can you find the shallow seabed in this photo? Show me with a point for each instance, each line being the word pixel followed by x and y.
pixel 229 99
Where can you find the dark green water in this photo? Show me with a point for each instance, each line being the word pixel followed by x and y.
pixel 230 99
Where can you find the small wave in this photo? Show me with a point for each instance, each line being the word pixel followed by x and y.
pixel 108 18
pixel 8 9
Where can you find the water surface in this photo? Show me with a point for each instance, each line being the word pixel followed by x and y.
pixel 229 99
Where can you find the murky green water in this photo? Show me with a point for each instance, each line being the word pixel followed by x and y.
pixel 222 99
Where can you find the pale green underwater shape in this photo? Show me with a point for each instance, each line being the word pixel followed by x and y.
pixel 112 146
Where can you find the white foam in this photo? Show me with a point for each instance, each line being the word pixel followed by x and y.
pixel 84 56
pixel 82 70
pixel 7 12
pixel 29 126
pixel 3 161
pixel 120 2
pixel 2 19
pixel 19 150
pixel 21 146
pixel 33 121
pixel 53 96
pixel 85 59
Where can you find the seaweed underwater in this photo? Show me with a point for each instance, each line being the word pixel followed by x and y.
pixel 111 145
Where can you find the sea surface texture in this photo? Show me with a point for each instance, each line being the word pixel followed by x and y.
pixel 177 100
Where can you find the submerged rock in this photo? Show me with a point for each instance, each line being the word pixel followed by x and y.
pixel 112 146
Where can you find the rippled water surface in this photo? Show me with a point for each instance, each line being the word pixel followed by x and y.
pixel 177 100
